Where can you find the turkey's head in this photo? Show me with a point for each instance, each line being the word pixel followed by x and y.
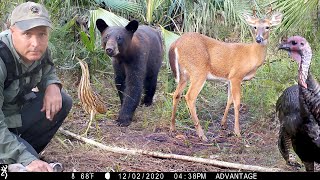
pixel 299 49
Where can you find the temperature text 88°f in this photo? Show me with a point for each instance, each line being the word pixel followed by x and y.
pixel 186 176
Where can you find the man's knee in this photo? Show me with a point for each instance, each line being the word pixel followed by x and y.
pixel 66 106
pixel 66 101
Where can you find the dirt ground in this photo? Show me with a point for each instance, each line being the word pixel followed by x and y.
pixel 257 146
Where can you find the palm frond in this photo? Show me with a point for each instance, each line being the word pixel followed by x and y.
pixel 121 5
pixel 299 15
pixel 168 37
pixel 174 6
pixel 234 11
pixel 152 5
pixel 110 18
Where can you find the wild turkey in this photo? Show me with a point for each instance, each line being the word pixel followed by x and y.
pixel 299 108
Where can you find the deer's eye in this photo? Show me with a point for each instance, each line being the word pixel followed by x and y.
pixel 294 43
pixel 267 27
pixel 254 27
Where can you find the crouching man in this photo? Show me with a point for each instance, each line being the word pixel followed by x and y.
pixel 29 119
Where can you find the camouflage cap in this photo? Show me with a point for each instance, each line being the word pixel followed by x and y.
pixel 29 15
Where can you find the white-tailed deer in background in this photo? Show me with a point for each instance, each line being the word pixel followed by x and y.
pixel 197 57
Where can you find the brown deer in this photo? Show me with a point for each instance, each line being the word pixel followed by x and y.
pixel 197 57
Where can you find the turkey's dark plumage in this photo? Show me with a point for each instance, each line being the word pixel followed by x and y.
pixel 288 109
pixel 298 109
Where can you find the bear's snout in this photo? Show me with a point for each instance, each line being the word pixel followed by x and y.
pixel 112 50
pixel 109 51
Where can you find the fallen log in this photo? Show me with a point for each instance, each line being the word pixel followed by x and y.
pixel 213 162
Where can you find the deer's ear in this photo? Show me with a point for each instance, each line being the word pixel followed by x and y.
pixel 276 19
pixel 250 19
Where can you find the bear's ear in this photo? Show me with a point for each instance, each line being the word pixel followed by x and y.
pixel 132 26
pixel 101 25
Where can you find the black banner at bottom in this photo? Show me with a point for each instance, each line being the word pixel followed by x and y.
pixel 160 175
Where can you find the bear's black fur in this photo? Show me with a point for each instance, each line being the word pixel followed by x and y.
pixel 137 53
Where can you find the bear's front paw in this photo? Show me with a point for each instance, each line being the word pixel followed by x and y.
pixel 123 122
pixel 147 101
pixel 147 104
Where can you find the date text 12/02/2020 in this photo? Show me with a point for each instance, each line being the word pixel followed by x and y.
pixel 162 175
pixel 186 175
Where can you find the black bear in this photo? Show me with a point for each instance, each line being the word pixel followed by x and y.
pixel 137 53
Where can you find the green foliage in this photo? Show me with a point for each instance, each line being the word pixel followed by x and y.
pixel 152 5
pixel 300 16
pixel 121 5
pixel 110 18
pixel 263 91
pixel 89 41
pixel 169 38
pixel 5 9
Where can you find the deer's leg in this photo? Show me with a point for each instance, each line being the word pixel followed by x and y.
pixel 176 98
pixel 236 95
pixel 229 102
pixel 191 96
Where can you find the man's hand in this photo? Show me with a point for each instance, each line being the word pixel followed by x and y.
pixel 39 166
pixel 52 101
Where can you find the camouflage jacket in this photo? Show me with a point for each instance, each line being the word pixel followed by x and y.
pixel 11 150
